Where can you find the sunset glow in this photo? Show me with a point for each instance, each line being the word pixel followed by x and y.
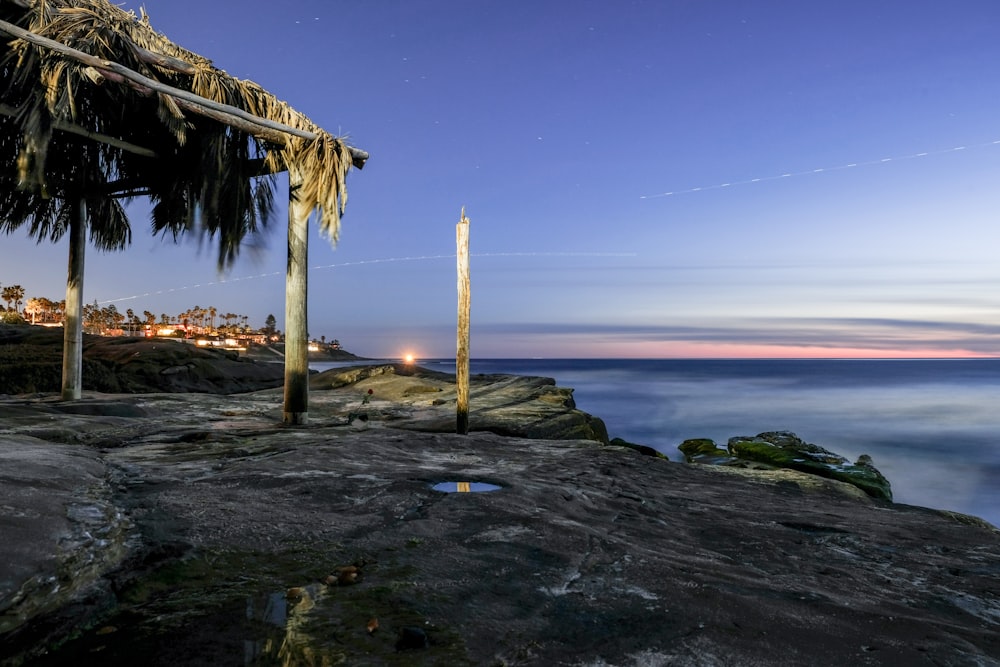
pixel 580 346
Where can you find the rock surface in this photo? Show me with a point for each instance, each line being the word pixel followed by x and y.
pixel 785 450
pixel 229 539
pixel 416 398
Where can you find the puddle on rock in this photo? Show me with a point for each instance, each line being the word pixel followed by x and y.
pixel 264 609
pixel 465 487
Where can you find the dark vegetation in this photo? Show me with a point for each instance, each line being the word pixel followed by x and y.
pixel 31 362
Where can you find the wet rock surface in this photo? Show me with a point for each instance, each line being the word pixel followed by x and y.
pixel 229 539
pixel 785 450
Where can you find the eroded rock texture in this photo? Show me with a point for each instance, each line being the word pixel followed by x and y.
pixel 227 538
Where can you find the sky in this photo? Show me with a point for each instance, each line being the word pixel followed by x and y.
pixel 661 179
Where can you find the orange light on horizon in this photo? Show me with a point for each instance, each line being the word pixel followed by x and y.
pixel 584 347
pixel 408 358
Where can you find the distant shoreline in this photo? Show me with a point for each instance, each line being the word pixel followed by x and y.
pixel 276 352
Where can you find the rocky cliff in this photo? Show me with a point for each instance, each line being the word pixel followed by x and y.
pixel 167 529
pixel 31 362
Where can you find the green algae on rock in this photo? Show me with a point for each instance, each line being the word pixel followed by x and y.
pixel 703 450
pixel 783 449
pixel 786 450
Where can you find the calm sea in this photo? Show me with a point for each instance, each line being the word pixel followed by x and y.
pixel 931 426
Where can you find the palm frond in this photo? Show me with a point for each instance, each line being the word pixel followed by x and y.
pixel 201 181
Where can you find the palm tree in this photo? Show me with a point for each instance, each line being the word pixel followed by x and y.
pixel 117 318
pixel 13 293
pixel 90 318
pixel 7 295
pixel 48 308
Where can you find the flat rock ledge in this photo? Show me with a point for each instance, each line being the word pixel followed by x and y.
pixel 194 529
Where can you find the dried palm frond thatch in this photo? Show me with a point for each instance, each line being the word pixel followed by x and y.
pixel 202 144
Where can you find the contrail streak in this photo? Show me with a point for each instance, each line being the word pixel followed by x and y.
pixel 816 171
pixel 360 262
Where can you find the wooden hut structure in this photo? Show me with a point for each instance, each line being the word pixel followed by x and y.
pixel 96 106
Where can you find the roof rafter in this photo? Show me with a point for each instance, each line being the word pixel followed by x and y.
pixel 10 111
pixel 263 128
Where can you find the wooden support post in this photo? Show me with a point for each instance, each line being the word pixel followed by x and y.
pixel 464 312
pixel 72 365
pixel 296 407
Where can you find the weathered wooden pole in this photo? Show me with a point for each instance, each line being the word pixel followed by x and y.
pixel 72 365
pixel 296 407
pixel 464 312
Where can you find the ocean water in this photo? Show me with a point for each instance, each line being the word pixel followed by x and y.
pixel 931 426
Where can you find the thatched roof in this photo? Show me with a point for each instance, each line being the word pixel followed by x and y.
pixel 96 103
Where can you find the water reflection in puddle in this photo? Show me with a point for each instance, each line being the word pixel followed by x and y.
pixel 292 643
pixel 465 487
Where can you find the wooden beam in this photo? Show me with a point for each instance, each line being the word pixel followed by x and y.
pixel 164 61
pixel 72 365
pixel 8 110
pixel 230 113
pixel 296 394
pixel 464 312
pixel 273 136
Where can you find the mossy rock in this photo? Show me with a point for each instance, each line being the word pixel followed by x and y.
pixel 703 450
pixel 645 450
pixel 783 449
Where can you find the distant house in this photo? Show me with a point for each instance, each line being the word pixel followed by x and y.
pixel 255 338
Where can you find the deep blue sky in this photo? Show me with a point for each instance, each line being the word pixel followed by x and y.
pixel 562 125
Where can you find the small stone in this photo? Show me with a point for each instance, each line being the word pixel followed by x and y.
pixel 411 638
pixel 344 576
pixel 347 575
